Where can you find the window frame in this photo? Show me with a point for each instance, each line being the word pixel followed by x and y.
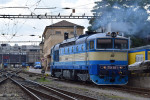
pixel 82 47
pixel 90 45
pixel 71 33
pixel 57 33
pixel 121 48
pixel 72 49
pixel 106 48
pixel 77 48
pixel 68 50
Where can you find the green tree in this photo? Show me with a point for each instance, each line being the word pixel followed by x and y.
pixel 128 16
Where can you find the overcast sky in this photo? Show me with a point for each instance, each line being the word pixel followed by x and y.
pixel 24 27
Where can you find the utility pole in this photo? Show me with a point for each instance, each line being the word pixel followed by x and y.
pixel 19 56
pixel 2 57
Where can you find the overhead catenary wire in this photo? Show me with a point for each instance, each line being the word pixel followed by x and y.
pixel 62 9
pixel 16 28
pixel 16 31
pixel 14 7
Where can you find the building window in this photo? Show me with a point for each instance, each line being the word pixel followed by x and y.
pixel 139 58
pixel 58 32
pixel 72 33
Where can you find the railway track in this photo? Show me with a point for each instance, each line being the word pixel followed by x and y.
pixel 34 90
pixel 57 93
pixel 12 91
pixel 137 91
pixel 133 90
pixel 125 88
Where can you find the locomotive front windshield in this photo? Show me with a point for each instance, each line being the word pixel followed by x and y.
pixel 108 43
pixel 121 44
pixel 104 44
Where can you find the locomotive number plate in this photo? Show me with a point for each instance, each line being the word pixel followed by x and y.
pixel 111 67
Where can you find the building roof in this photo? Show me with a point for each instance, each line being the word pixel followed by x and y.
pixel 62 23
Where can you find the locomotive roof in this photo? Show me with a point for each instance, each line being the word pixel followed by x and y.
pixel 98 35
pixel 102 35
pixel 83 38
pixel 69 40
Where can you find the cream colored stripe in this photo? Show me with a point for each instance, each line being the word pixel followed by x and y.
pixel 80 57
pixel 73 57
pixel 122 56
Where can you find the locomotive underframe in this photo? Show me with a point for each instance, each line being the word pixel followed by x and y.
pixel 71 74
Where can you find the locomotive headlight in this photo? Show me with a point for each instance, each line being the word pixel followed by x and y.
pixel 104 67
pixel 117 33
pixel 121 67
pixel 108 33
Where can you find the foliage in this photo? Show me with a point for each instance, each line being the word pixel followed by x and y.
pixel 127 16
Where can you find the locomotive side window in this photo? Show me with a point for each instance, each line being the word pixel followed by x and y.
pixel 91 44
pixel 121 44
pixel 104 44
pixel 72 49
pixel 87 46
pixel 59 51
pixel 82 47
pixel 68 50
pixel 77 48
pixel 56 55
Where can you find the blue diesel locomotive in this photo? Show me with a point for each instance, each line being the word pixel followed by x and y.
pixel 101 58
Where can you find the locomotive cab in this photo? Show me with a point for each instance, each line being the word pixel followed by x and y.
pixel 108 55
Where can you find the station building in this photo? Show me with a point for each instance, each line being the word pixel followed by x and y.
pixel 54 34
pixel 16 55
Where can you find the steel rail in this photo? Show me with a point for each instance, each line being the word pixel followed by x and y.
pixel 32 95
pixel 140 91
pixel 42 93
pixel 2 81
pixel 75 95
pixel 60 94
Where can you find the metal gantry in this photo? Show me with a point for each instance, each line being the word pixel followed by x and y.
pixel 47 16
pixel 3 42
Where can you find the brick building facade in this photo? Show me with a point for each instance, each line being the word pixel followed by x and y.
pixel 54 34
